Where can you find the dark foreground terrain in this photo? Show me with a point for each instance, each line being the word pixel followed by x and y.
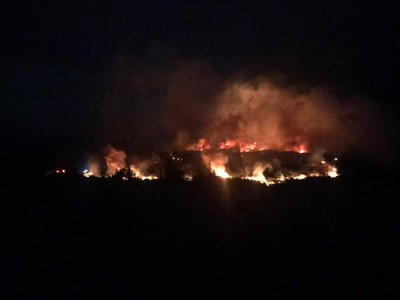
pixel 65 237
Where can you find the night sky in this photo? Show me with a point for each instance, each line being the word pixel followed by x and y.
pixel 62 61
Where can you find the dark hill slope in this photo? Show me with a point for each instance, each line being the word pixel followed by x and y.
pixel 64 237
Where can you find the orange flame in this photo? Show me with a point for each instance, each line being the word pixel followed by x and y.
pixel 216 164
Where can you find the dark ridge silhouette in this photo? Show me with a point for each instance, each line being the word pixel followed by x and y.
pixel 68 236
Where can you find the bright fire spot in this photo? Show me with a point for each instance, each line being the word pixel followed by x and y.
pixel 137 172
pixel 299 176
pixel 220 171
pixel 302 148
pixel 149 177
pixel 333 172
pixel 216 163
pixel 187 177
pixel 258 174
pixel 88 173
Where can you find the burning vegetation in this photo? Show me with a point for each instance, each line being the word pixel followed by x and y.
pixel 264 166
pixel 256 129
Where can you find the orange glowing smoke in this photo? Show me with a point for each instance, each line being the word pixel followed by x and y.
pixel 199 146
pixel 115 160
pixel 259 115
pixel 199 109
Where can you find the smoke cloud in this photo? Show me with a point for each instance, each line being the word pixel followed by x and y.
pixel 177 104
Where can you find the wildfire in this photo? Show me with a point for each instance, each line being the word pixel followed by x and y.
pixel 229 144
pixel 137 172
pixel 216 164
pixel 267 166
pixel 202 145
pixel 249 128
pixel 248 147
pixel 258 174
pixel 302 148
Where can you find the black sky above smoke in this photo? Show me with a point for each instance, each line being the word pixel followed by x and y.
pixel 59 58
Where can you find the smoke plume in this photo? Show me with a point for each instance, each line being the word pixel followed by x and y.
pixel 179 104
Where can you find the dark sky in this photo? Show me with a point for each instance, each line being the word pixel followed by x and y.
pixel 59 57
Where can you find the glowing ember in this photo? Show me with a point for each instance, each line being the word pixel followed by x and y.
pixel 187 177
